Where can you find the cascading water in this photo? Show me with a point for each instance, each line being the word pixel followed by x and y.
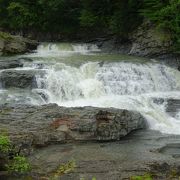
pixel 124 84
pixel 63 49
pixel 90 80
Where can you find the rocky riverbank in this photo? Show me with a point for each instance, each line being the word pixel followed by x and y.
pixel 146 41
pixel 15 44
pixel 50 136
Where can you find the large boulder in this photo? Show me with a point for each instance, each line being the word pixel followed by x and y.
pixel 15 44
pixel 34 126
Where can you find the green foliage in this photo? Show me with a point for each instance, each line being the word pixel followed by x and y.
pixel 144 177
pixel 19 164
pixel 71 17
pixel 165 14
pixel 19 15
pixel 64 169
pixel 96 14
pixel 4 144
pixel 125 17
pixel 59 15
pixel 5 36
pixel 88 19
pixel 119 17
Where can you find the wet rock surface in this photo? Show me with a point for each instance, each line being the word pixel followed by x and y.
pixel 8 64
pixel 18 79
pixel 51 124
pixel 173 106
pixel 135 155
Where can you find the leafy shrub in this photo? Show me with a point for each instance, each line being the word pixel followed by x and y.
pixel 165 14
pixel 88 19
pixel 14 162
pixel 4 144
pixel 19 164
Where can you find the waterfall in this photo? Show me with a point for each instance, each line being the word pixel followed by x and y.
pixel 124 85
pixel 66 49
pixel 92 80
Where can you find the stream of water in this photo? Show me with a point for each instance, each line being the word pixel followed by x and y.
pixel 81 75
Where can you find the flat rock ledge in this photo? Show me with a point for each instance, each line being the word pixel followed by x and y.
pixel 39 126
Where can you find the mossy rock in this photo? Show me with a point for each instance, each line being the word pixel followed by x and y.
pixel 5 36
pixel 10 44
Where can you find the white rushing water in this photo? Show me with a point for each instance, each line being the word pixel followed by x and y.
pixel 65 49
pixel 124 85
pixel 128 85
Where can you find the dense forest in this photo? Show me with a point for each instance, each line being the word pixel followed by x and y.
pixel 70 17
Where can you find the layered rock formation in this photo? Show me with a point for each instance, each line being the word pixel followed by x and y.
pixel 18 79
pixel 147 40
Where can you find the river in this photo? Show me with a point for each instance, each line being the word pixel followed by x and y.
pixel 81 75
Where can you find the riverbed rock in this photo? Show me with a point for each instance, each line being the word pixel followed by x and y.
pixel 135 155
pixel 8 64
pixel 51 124
pixel 18 79
pixel 15 44
pixel 173 107
pixel 178 68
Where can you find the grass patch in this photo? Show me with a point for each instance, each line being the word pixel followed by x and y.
pixel 64 169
